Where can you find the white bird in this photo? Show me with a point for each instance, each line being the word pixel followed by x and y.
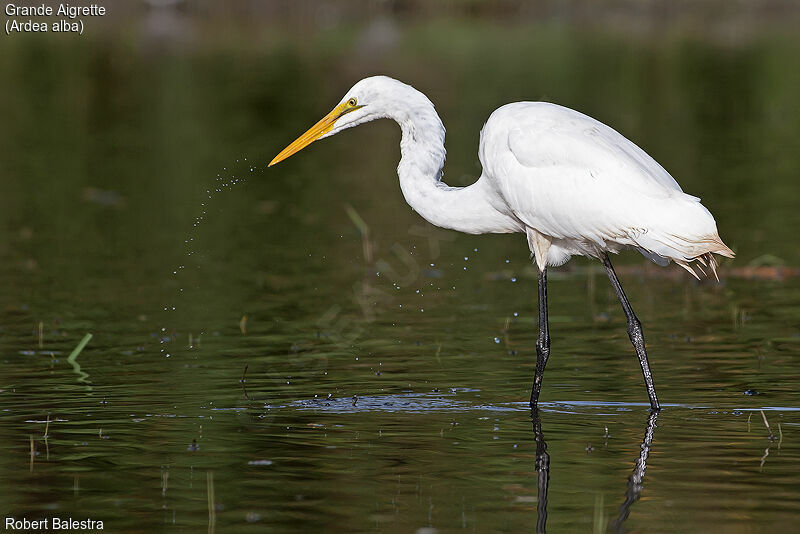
pixel 572 184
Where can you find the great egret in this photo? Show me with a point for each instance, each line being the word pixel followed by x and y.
pixel 572 184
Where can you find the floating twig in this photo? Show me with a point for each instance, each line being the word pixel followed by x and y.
pixel 766 424
pixel 764 459
pixel 212 512
pixel 599 513
pixel 164 482
pixel 46 435
pixel 33 451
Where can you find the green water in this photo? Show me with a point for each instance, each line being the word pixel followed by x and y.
pixel 385 387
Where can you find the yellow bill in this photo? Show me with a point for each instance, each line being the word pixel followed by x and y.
pixel 315 132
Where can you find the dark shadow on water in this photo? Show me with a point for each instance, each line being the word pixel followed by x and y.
pixel 635 481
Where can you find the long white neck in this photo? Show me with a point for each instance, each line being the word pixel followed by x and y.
pixel 466 209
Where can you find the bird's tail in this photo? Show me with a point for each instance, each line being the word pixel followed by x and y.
pixel 713 245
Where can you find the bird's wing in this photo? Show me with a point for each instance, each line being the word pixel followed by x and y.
pixel 572 177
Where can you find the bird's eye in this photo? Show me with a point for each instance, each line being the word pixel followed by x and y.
pixel 351 102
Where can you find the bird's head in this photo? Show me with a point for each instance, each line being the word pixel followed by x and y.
pixel 369 99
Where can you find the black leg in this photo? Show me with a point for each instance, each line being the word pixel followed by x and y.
pixel 634 332
pixel 543 343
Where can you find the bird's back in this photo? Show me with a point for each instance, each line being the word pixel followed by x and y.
pixel 589 188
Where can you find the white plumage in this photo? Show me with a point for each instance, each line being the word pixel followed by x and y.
pixel 572 184
pixel 589 189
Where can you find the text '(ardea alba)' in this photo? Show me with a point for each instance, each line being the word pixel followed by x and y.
pixel 572 184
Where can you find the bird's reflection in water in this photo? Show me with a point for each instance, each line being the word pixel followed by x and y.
pixel 542 470
pixel 635 480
